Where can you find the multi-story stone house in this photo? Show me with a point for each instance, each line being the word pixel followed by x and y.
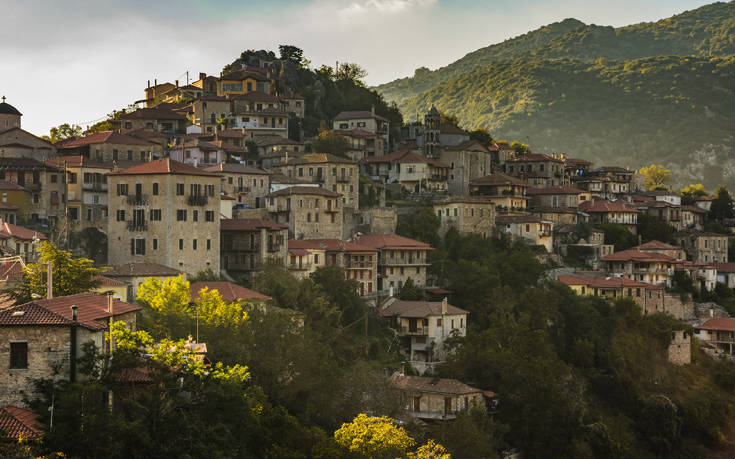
pixel 651 268
pixel 567 239
pixel 692 217
pixel 207 83
pixel 506 192
pixel 662 248
pixel 259 113
pixel 86 191
pixel 576 167
pixel 363 143
pixel 15 202
pixel 16 142
pixel 17 240
pixel 162 120
pixel 540 171
pixel 294 103
pixel 661 210
pixel 359 262
pixel 601 211
pixel 132 275
pixel 651 298
pixel 423 326
pixel 436 135
pixel 207 112
pixel 109 146
pixel 703 275
pixel 44 338
pixel 249 243
pixel 330 172
pixel 367 121
pixel 502 153
pixel 46 185
pixel 415 173
pixel 466 214
pixel 310 212
pixel 274 150
pixel 400 258
pixel 607 182
pixel 243 81
pixel 529 228
pixel 718 332
pixel 196 151
pixel 156 94
pixel 432 398
pixel 703 247
pixel 247 184
pixel 467 161
pixel 165 212
pixel 557 197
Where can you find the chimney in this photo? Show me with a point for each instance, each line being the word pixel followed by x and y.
pixel 444 305
pixel 50 280
pixel 390 292
pixel 177 83
pixel 202 75
pixel 149 84
pixel 372 109
pixel 711 312
pixel 155 82
pixel 73 345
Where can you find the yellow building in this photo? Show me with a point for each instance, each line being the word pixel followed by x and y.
pixel 15 202
pixel 243 81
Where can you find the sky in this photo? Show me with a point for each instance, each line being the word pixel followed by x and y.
pixel 74 61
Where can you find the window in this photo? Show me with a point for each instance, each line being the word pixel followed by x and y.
pixel 54 178
pixel 181 215
pixel 155 189
pixel 155 215
pixel 209 216
pixel 180 189
pixel 139 247
pixel 209 190
pixel 195 215
pixel 115 155
pixel 181 244
pixel 74 213
pixel 194 244
pixel 209 244
pixel 122 189
pixel 120 215
pixel 155 244
pixel 439 322
pixel 316 258
pixel 19 355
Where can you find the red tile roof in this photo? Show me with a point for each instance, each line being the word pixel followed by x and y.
pixel 236 169
pixel 403 156
pixel 357 132
pixel 718 323
pixel 163 166
pixel 577 161
pixel 318 158
pixel 105 137
pixel 329 244
pixel 724 267
pixel 433 385
pixel 31 314
pixel 228 291
pixel 390 241
pixel 18 232
pixel 554 190
pixel 605 282
pixel 108 282
pixel 496 178
pixel 155 113
pixel 536 157
pixel 10 186
pixel 76 161
pixel 418 309
pixel 357 115
pixel 17 422
pixel 305 190
pixel 91 307
pixel 230 134
pixel 656 245
pixel 637 255
pixel 256 96
pixel 248 224
pixel 601 206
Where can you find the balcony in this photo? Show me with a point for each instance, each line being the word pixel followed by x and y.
pixel 193 200
pixel 418 331
pixel 408 261
pixel 242 189
pixel 299 266
pixel 433 415
pixel 94 186
pixel 359 265
pixel 331 210
pixel 437 177
pixel 138 200
pixel 33 186
pixel 343 179
pixel 274 247
pixel 135 226
pixel 318 179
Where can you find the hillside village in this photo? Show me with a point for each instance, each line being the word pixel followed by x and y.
pixel 214 181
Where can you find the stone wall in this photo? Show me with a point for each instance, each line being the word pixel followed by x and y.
pixel 680 348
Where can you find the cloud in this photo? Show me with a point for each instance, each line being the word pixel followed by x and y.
pixel 383 7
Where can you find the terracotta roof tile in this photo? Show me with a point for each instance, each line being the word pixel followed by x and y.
pixel 718 323
pixel 319 158
pixel 153 114
pixel 31 314
pixel 10 186
pixel 163 166
pixel 76 161
pixel 656 245
pixel 419 309
pixel 637 255
pixel 536 157
pixel 390 241
pixel 91 308
pixel 433 385
pixel 16 422
pixel 357 115
pixel 329 244
pixel 305 190
pixel 724 267
pixel 496 178
pixel 605 282
pixel 18 232
pixel 105 137
pixel 403 156
pixel 554 190
pixel 228 291
pixel 236 169
pixel 601 206
pixel 108 282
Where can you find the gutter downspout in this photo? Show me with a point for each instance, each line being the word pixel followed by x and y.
pixel 73 346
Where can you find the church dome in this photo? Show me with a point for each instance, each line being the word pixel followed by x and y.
pixel 7 109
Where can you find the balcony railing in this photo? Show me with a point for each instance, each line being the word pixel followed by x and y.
pixel 343 179
pixel 242 189
pixel 318 179
pixel 299 266
pixel 408 261
pixel 419 331
pixel 137 226
pixel 94 186
pixel 138 200
pixel 274 247
pixel 359 264
pixel 33 186
pixel 193 200
pixel 331 210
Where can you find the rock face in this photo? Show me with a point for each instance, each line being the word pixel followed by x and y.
pixel 705 311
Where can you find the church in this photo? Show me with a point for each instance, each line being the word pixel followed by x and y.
pixel 18 143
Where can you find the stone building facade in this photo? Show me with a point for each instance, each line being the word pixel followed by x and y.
pixel 165 212
pixel 467 161
pixel 467 214
pixel 309 212
pixel 246 184
pixel 248 243
pixel 331 172
pixel 703 247
pixel 400 258
pixel 46 184
pixel 109 146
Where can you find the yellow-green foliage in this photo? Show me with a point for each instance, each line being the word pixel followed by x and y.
pixel 169 296
pixel 656 176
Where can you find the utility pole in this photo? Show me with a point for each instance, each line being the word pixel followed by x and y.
pixel 50 280
pixel 109 392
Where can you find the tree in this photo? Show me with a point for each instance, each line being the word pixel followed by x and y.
pixel 691 192
pixel 329 142
pixel 169 306
pixel 63 132
pixel 347 71
pixel 447 119
pixel 291 54
pixel 521 148
pixel 411 292
pixel 654 229
pixel 422 225
pixel 656 176
pixel 483 136
pixel 722 206
pixel 618 235
pixel 70 275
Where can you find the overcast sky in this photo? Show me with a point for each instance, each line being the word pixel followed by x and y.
pixel 74 61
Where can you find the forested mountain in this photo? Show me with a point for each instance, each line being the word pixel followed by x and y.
pixel 660 91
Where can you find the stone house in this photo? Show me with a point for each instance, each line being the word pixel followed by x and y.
pixel 39 336
pixel 651 268
pixel 669 250
pixel 538 170
pixel 229 292
pixel 367 121
pixel 399 259
pixel 692 217
pixel 607 182
pixel 557 215
pixel 16 142
pixel 161 119
pixel 196 151
pixel 438 398
pixel 423 326
pixel 20 241
pixel 719 333
pixel 259 113
pixel 467 161
pixel 17 423
pixel 310 212
pixel 506 192
pixel 557 197
pixel 248 243
pixel 134 274
pixel 651 298
pixel 244 81
pixel 14 203
pixel 601 211
pixel 680 348
pixel 703 275
pixel 502 153
pixel 415 173
pixel 363 143
pixel 330 172
pixel 87 194
pixel 246 184
pixel 703 247
pixel 274 150
pixel 467 214
pixel 109 146
pixel 294 103
pixel 359 262
pixel 725 273
pixel 165 212
pixel 207 110
pixel 529 228
pixel 46 185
